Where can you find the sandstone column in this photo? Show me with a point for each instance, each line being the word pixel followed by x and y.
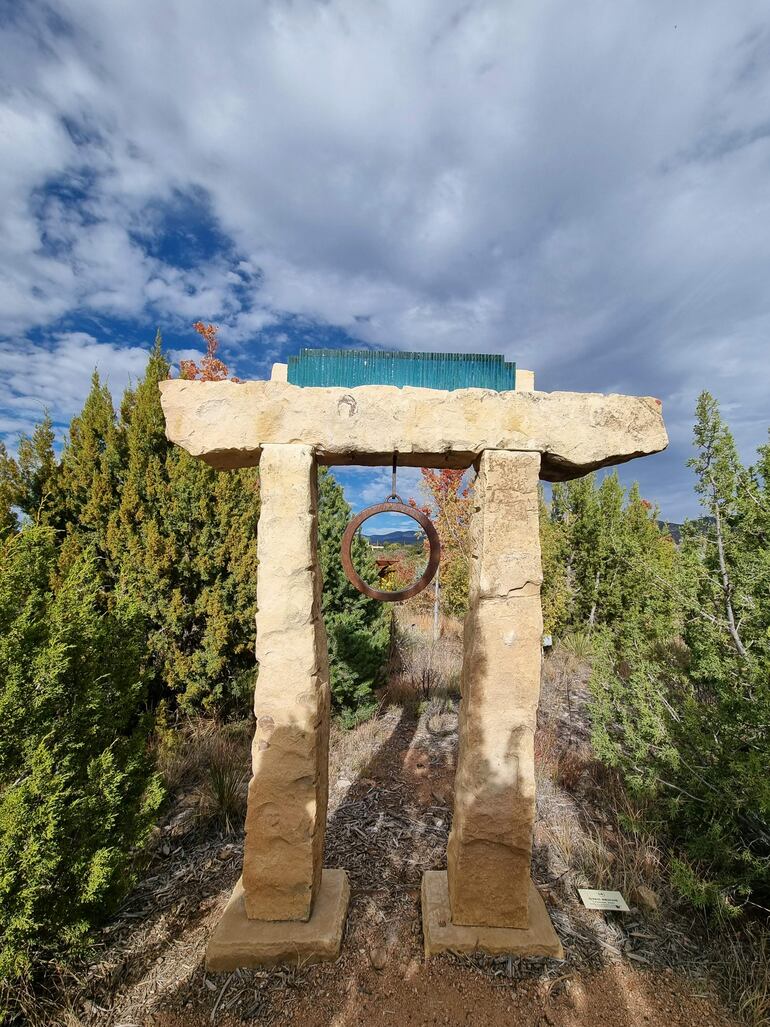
pixel 286 817
pixel 285 906
pixel 486 900
pixel 489 848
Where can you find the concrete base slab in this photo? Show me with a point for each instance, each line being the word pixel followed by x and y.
pixel 441 935
pixel 240 942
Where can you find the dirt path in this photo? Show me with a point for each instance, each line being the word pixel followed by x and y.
pixel 388 822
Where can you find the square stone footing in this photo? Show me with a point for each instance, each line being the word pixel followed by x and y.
pixel 240 942
pixel 441 935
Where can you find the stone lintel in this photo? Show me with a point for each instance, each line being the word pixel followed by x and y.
pixel 241 942
pixel 227 424
pixel 441 935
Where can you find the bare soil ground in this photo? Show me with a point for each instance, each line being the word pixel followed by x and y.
pixel 389 818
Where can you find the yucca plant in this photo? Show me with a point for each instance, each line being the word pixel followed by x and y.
pixel 578 645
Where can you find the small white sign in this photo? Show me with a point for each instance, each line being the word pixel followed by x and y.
pixel 596 899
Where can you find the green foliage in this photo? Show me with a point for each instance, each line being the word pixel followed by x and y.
pixel 36 473
pixel 358 628
pixel 77 792
pixel 132 588
pixel 554 549
pixel 681 674
pixel 8 494
pixel 183 539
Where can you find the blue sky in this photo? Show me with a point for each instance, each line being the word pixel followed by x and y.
pixel 582 187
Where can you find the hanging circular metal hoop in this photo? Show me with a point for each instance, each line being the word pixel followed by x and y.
pixel 433 560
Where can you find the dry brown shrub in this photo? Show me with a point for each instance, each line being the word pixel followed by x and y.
pixel 547 749
pixel 570 767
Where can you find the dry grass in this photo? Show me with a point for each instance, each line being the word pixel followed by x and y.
pixel 591 825
pixel 351 750
pixel 205 765
pixel 221 796
pixel 422 668
pixel 746 981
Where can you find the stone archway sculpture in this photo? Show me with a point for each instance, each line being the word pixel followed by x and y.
pixel 286 906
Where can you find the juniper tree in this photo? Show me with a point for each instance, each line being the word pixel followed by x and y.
pixel 89 479
pixel 554 549
pixel 682 681
pixel 357 627
pixel 9 522
pixel 36 473
pixel 722 812
pixel 185 543
pixel 77 790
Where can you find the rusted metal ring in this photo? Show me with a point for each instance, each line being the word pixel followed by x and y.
pixel 433 559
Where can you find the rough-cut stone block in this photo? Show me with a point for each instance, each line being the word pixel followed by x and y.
pixel 440 934
pixel 525 380
pixel 241 942
pixel 488 856
pixel 286 812
pixel 228 423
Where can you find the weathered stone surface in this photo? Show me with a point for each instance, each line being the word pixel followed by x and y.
pixel 286 814
pixel 440 934
pixel 489 850
pixel 525 380
pixel 228 423
pixel 241 942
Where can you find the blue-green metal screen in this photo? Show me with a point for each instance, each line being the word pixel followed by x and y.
pixel 347 368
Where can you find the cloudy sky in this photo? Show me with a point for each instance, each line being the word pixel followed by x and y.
pixel 582 187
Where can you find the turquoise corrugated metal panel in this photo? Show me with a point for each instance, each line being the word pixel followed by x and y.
pixel 348 368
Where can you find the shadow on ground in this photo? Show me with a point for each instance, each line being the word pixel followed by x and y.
pixel 388 822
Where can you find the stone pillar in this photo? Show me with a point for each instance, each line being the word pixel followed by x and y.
pixel 286 817
pixel 489 849
pixel 486 900
pixel 285 906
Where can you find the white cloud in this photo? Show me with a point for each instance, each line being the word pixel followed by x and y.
pixel 583 187
pixel 57 378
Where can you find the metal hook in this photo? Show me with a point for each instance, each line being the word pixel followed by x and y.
pixel 393 493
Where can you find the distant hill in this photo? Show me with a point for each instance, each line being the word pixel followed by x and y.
pixel 702 524
pixel 674 530
pixel 408 537
pixel 402 538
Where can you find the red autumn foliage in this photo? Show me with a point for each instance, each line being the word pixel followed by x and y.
pixel 212 369
pixel 450 506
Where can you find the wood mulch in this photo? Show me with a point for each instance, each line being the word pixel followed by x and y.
pixel 387 824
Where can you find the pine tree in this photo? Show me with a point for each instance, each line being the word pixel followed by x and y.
pixel 357 627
